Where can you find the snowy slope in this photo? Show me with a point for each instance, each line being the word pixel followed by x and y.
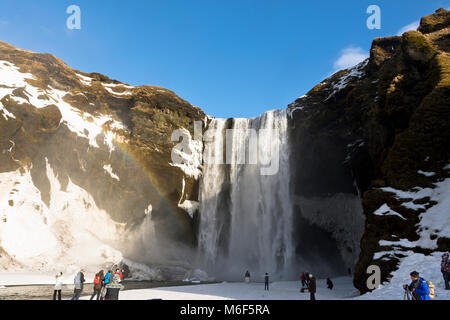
pixel 63 235
pixel 428 268
pixel 434 221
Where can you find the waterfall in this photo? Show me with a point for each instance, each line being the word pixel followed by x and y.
pixel 245 205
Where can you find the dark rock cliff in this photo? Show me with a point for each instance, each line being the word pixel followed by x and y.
pixel 377 125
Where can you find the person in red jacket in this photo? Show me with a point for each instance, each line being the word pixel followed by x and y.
pixel 120 275
pixel 98 284
pixel 303 280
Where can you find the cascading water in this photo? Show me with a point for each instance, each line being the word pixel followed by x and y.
pixel 246 210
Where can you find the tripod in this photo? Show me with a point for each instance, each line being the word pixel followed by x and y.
pixel 408 295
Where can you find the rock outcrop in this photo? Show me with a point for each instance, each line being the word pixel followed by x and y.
pixel 108 138
pixel 381 126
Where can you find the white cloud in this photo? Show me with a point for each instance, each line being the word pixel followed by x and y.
pixel 350 57
pixel 412 26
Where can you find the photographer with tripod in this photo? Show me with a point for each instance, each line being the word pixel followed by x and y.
pixel 418 289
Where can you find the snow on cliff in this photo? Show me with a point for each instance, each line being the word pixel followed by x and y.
pixel 434 222
pixel 83 124
pixel 71 232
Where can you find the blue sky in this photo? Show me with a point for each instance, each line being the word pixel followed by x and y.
pixel 230 58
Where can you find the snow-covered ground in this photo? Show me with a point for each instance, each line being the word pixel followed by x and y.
pixel 428 268
pixel 289 290
pixel 286 290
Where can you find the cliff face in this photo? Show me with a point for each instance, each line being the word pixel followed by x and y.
pixel 375 130
pixel 68 129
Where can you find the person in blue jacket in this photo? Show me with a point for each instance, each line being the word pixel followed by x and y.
pixel 107 277
pixel 418 287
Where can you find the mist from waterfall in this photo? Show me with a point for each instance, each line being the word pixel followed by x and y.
pixel 245 205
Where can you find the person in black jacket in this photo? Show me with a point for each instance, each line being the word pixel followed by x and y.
pixel 126 271
pixel 312 287
pixel 307 278
pixel 266 282
pixel 330 284
pixel 247 277
pixel 445 269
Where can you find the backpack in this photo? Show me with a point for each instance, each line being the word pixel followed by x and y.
pixel 431 287
pixel 97 280
pixel 116 278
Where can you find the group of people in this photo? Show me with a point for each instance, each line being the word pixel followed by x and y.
pixel 307 279
pixel 309 283
pixel 106 286
pixel 266 280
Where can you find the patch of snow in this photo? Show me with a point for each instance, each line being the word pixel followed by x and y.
pixel 190 207
pixel 85 124
pixel 85 80
pixel 5 113
pixel 400 243
pixel 10 79
pixel 109 169
pixel 109 87
pixel 435 220
pixel 380 254
pixel 386 210
pixel 77 121
pixel 188 154
pixel 114 85
pixel 427 174
pixel 11 76
pixel 355 72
